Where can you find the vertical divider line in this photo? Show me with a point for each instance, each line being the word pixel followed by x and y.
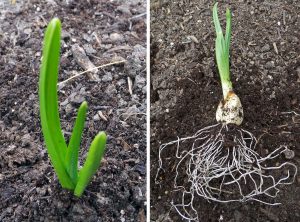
pixel 148 113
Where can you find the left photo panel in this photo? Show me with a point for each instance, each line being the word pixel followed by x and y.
pixel 73 94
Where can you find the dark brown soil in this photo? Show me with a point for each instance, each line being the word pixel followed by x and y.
pixel 185 91
pixel 107 31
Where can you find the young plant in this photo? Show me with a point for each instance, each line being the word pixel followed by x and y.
pixel 64 158
pixel 220 163
pixel 230 109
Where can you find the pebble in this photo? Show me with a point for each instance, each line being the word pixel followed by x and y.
pixel 270 65
pixel 122 103
pixel 87 37
pixel 140 81
pixel 69 108
pixel 289 154
pixel 140 168
pixel 124 9
pixel 116 37
pixel 77 209
pixel 121 82
pixel 111 89
pixel 102 200
pixel 89 49
pixel 65 35
pixel 96 117
pixel 265 48
pixel 107 77
pixel 78 99
pixel 137 195
pixel 26 140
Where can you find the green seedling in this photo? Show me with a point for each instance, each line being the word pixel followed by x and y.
pixel 230 109
pixel 64 158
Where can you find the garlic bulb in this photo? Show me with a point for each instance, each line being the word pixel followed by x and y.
pixel 230 110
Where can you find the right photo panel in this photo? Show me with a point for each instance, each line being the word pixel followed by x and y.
pixel 225 110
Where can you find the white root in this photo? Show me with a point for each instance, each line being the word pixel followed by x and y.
pixel 222 169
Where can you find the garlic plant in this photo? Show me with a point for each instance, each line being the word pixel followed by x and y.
pixel 219 162
pixel 63 156
pixel 230 109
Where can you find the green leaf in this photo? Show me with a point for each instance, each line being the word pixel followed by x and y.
pixel 228 32
pixel 49 114
pixel 91 164
pixel 222 47
pixel 64 160
pixel 74 144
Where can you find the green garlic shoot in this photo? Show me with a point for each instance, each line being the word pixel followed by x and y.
pixel 230 109
pixel 63 156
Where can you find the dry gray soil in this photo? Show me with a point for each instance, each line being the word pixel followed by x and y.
pixel 106 31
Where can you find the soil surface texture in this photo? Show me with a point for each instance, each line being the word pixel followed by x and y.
pixel 185 92
pixel 93 33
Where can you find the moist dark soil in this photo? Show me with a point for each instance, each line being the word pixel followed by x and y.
pixel 185 92
pixel 103 31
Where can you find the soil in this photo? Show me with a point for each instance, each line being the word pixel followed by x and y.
pixel 106 31
pixel 185 92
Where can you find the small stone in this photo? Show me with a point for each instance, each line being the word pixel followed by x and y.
pixel 270 65
pixel 289 154
pixel 250 54
pixel 116 37
pixel 137 196
pixel 107 77
pixel 65 35
pixel 41 191
pixel 140 81
pixel 121 82
pixel 87 37
pixel 69 108
pixel 140 168
pixel 26 140
pixel 27 31
pixel 78 99
pixel 102 200
pixel 124 9
pixel 77 209
pixel 96 117
pixel 273 96
pixel 89 49
pixel 265 48
pixel 111 89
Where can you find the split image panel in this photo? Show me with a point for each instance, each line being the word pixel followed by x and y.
pixel 102 51
pixel 224 129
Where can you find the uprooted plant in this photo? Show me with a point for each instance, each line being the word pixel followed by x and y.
pixel 64 158
pixel 219 162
